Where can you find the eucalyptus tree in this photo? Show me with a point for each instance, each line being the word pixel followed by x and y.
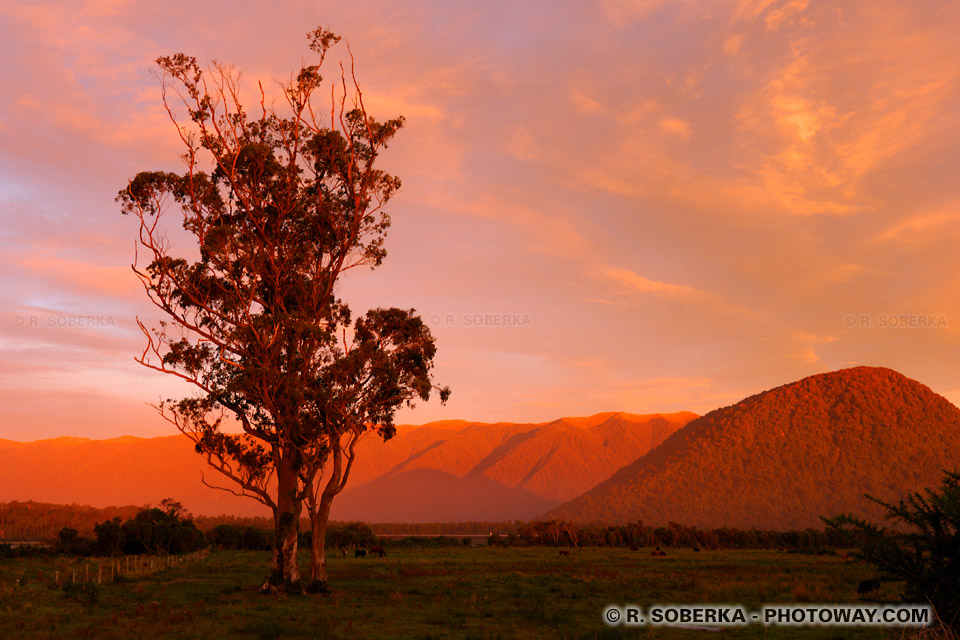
pixel 280 202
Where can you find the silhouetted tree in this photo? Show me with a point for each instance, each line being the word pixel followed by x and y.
pixel 927 556
pixel 281 204
pixel 109 537
pixel 159 531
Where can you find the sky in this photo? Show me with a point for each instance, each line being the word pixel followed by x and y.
pixel 620 205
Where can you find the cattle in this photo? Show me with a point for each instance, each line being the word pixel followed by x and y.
pixel 867 586
pixel 634 548
pixel 564 553
pixel 696 549
pixel 379 551
pixel 360 553
pixel 343 551
pixel 658 553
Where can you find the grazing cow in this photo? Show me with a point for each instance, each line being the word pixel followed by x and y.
pixel 868 586
pixel 360 553
pixel 634 548
pixel 564 553
pixel 379 551
pixel 696 549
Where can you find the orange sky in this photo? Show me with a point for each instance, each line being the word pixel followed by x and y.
pixel 643 206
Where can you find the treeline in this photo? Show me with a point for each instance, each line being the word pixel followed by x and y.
pixel 560 533
pixel 228 536
pixel 42 521
pixel 167 529
pixel 28 520
pixel 471 528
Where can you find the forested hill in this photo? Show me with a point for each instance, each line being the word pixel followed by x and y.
pixel 782 458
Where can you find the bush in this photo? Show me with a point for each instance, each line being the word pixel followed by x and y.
pixel 109 537
pixel 255 539
pixel 927 557
pixel 353 534
pixel 225 536
pixel 71 543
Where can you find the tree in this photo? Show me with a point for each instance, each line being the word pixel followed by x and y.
pixel 927 556
pixel 109 537
pixel 155 530
pixel 280 205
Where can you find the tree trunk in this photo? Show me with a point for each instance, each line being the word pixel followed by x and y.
pixel 284 571
pixel 321 513
pixel 318 540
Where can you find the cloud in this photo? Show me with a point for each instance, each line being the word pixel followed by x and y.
pixel 676 127
pixel 584 103
pixel 920 228
pixel 776 17
pixel 639 284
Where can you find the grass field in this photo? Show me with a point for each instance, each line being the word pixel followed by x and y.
pixel 477 592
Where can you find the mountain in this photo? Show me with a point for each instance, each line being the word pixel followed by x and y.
pixel 782 458
pixel 499 471
pixel 446 471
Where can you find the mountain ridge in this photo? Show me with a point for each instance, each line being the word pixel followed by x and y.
pixel 424 460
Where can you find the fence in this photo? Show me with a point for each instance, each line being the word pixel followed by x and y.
pixel 140 566
pixel 99 571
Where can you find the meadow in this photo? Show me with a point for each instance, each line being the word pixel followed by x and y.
pixel 458 592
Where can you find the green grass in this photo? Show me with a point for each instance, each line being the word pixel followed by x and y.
pixel 475 592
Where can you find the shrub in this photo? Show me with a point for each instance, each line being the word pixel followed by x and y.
pixel 927 556
pixel 225 536
pixel 256 539
pixel 109 537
